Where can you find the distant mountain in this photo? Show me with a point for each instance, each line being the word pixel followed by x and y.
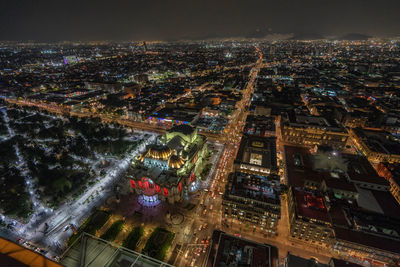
pixel 257 34
pixel 307 36
pixel 267 34
pixel 354 37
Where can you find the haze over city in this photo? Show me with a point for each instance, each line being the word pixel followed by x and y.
pixel 47 20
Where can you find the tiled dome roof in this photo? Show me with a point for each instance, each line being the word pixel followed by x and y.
pixel 175 162
pixel 160 152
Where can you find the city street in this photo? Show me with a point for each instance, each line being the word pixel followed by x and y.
pixel 209 211
pixel 77 211
pixel 232 139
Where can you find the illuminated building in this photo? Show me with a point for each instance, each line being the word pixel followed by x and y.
pixel 175 115
pixel 256 155
pixel 395 188
pixel 70 60
pixel 375 249
pixel 252 194
pixel 260 126
pixel 254 199
pixel 308 217
pixel 376 145
pixel 367 230
pixel 312 130
pixel 170 166
pixel 338 200
pixel 391 172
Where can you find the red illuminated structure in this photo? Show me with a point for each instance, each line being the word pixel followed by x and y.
pixel 165 191
pixel 314 202
pixel 192 178
pixel 153 192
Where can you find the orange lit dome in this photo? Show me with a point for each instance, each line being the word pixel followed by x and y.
pixel 159 152
pixel 175 162
pixel 141 157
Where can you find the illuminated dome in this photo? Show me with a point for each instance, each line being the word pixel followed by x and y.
pixel 141 157
pixel 175 162
pixel 159 152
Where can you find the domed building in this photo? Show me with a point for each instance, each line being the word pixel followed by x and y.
pixel 170 166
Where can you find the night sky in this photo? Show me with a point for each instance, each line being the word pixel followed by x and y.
pixel 52 20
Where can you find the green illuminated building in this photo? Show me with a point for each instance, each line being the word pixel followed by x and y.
pixel 170 166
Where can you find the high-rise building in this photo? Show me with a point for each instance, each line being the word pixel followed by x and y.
pixel 312 130
pixel 254 200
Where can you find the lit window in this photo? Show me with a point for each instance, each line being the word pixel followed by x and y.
pixel 256 159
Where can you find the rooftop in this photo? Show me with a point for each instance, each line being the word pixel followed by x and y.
pixel 182 128
pixel 370 240
pixel 185 115
pixel 307 121
pixel 228 250
pixel 379 141
pixel 158 176
pixel 362 171
pixel 340 184
pixel 255 187
pixel 257 151
pixel 296 261
pixel 301 165
pixel 311 206
pixel 388 204
pixel 374 214
pixel 259 125
pixel 93 251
